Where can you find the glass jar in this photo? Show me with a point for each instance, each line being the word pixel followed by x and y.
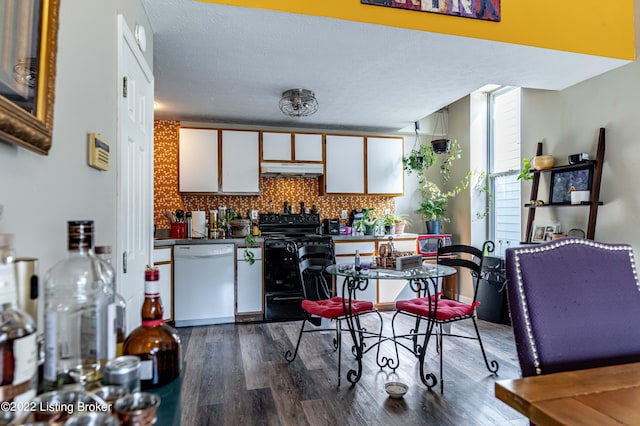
pixel 119 311
pixel 78 335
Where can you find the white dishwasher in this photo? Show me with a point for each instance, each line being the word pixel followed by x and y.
pixel 204 284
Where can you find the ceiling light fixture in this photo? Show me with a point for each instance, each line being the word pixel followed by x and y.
pixel 298 103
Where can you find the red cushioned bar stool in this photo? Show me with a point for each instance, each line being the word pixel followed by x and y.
pixel 318 303
pixel 436 311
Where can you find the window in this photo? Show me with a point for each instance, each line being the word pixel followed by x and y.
pixel 504 167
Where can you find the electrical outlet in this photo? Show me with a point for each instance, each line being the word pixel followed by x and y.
pixel 254 214
pixel 387 212
pixel 344 214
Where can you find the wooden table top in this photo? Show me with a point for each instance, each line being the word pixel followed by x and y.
pixel 597 396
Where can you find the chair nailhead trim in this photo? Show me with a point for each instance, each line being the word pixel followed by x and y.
pixel 560 243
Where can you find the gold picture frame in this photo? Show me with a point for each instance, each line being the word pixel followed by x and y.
pixel 29 126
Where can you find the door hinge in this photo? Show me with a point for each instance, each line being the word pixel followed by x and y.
pixel 124 87
pixel 124 262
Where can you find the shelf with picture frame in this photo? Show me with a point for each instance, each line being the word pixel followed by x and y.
pixel 587 173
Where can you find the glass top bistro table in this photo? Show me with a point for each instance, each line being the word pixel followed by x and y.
pixel 422 280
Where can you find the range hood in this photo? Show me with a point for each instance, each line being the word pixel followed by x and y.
pixel 291 169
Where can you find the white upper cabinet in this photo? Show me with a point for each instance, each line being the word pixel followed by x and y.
pixel 240 161
pixel 276 146
pixel 384 166
pixel 344 167
pixel 198 160
pixel 308 146
pixel 304 147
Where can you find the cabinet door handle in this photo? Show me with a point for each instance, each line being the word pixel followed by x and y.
pixel 124 262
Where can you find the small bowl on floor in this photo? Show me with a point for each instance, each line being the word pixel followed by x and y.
pixel 396 389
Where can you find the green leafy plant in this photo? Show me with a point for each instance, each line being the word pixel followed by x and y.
pixel 389 220
pixel 482 186
pixel 248 255
pixel 368 218
pixel 435 201
pixel 525 173
pixel 419 160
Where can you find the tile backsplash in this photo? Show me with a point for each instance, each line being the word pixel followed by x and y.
pixel 273 190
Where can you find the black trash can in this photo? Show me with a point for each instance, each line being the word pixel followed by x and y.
pixel 492 292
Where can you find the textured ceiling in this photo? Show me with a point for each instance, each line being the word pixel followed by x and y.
pixel 229 64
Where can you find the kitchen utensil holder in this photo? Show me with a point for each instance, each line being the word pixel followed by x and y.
pixel 178 230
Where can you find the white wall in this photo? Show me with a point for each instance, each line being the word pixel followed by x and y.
pixel 567 122
pixel 41 193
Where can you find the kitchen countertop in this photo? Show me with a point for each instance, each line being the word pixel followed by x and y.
pixel 159 242
pixel 372 237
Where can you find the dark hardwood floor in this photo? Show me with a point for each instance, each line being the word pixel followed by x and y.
pixel 236 374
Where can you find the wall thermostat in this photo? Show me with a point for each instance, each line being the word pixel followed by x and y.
pixel 98 152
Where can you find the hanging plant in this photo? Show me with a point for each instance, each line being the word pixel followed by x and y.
pixel 419 160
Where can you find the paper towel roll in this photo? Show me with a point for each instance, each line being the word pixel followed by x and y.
pixel 198 225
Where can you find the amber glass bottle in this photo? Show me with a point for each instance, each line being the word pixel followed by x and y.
pixel 18 353
pixel 154 342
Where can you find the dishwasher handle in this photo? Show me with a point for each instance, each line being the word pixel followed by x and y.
pixel 195 252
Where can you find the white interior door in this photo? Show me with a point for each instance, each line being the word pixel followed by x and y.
pixel 135 172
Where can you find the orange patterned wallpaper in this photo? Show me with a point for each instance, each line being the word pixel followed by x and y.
pixel 273 191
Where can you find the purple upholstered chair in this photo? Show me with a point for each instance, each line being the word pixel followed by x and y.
pixel 575 304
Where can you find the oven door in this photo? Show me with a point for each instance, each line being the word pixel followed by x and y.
pixel 282 287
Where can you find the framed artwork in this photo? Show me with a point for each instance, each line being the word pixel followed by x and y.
pixel 564 181
pixel 28 51
pixel 488 10
pixel 542 231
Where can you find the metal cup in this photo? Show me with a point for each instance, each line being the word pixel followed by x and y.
pixel 92 419
pixel 137 409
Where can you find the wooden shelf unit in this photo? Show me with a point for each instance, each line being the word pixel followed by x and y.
pixel 593 203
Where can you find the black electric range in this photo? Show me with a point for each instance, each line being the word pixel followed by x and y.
pixel 283 235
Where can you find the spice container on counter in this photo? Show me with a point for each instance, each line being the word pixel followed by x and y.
pixel 213 225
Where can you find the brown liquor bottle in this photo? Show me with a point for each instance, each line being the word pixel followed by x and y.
pixel 154 342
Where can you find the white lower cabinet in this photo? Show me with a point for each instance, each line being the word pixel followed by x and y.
pixel 163 260
pixel 249 288
pixel 384 293
pixel 390 291
pixel 345 253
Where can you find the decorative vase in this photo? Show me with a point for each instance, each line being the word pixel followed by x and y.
pixel 390 229
pixel 542 162
pixel 433 226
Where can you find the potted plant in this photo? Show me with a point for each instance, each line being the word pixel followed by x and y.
pixel 419 160
pixel 433 204
pixel 433 207
pixel 389 222
pixel 401 222
pixel 369 221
